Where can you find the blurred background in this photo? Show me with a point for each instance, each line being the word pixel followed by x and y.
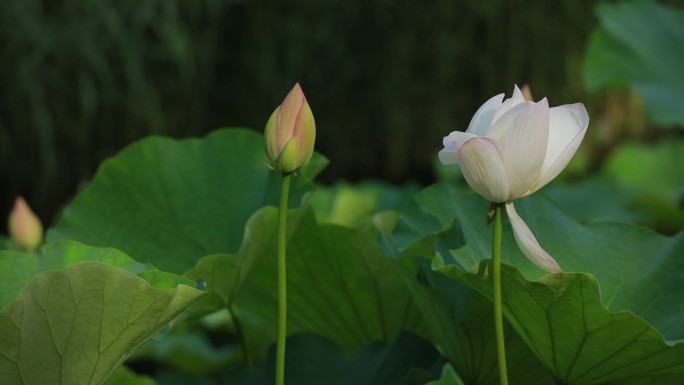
pixel 386 80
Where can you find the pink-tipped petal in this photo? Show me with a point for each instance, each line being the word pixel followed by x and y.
pixel 270 136
pixel 289 110
pixel 567 126
pixel 528 243
pixel 526 92
pixel 483 168
pixel 482 119
pixel 24 226
pixel 305 134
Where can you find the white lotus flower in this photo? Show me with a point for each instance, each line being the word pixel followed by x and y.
pixel 512 149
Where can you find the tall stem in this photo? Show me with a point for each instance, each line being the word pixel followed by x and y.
pixel 282 280
pixel 498 311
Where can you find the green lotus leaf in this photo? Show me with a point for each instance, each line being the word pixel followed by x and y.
pixel 17 269
pixel 639 43
pixel 313 360
pixel 170 202
pixel 562 320
pixel 78 324
pixel 340 284
pixel 125 376
pixel 638 270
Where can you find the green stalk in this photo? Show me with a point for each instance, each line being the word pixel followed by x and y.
pixel 282 280
pixel 498 311
pixel 243 339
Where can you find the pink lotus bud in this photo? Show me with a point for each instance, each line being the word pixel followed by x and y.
pixel 527 92
pixel 24 226
pixel 290 132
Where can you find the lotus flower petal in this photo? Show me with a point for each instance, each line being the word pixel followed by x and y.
pixel 270 135
pixel 528 243
pixel 449 155
pixel 305 133
pixel 287 116
pixel 523 144
pixel 482 120
pixel 483 168
pixel 567 126
pixel 508 104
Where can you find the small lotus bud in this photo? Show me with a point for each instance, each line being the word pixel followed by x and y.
pixel 24 226
pixel 290 132
pixel 527 92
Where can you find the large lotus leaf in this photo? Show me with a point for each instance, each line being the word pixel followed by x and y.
pixel 652 167
pixel 340 284
pixel 640 43
pixel 76 325
pixel 477 361
pixel 596 199
pixel 656 173
pixel 562 320
pixel 665 379
pixel 448 377
pixel 312 360
pixel 170 202
pixel 423 219
pixel 17 269
pixel 468 343
pixel 619 195
pixel 124 376
pixel 638 269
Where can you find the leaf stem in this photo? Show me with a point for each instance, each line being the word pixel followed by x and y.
pixel 243 338
pixel 498 311
pixel 282 279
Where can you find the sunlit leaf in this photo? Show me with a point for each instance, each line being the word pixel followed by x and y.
pixel 17 269
pixel 170 202
pixel 349 205
pixel 76 325
pixel 653 167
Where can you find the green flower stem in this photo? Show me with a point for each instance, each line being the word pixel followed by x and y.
pixel 498 311
pixel 282 279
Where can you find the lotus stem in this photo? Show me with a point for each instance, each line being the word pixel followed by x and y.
pixel 282 279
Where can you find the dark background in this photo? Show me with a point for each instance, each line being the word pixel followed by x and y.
pixel 386 79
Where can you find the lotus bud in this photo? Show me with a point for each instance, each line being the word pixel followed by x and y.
pixel 527 92
pixel 24 226
pixel 290 133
